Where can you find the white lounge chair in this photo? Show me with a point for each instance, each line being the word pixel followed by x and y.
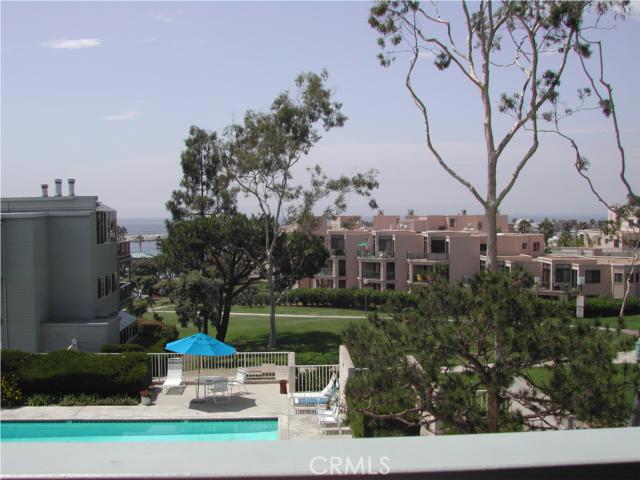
pixel 238 380
pixel 330 420
pixel 174 374
pixel 313 401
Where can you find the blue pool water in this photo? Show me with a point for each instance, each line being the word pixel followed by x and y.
pixel 149 431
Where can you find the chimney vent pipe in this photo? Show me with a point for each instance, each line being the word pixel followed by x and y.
pixel 72 184
pixel 58 187
pixel 45 190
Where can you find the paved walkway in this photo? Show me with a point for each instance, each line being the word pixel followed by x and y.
pixel 263 400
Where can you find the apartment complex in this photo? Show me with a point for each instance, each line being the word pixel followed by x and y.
pixel 62 273
pixel 397 254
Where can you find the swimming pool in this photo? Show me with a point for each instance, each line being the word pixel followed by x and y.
pixel 140 431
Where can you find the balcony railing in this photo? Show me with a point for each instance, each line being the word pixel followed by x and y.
pixel 126 292
pixel 371 275
pixel 380 254
pixel 124 249
pixel 427 256
pixel 337 252
pixel 325 272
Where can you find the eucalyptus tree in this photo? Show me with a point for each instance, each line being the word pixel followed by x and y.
pixel 487 39
pixel 270 147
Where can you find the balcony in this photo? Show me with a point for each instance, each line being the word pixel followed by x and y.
pixel 370 275
pixel 325 272
pixel 337 252
pixel 124 249
pixel 126 293
pixel 436 257
pixel 373 255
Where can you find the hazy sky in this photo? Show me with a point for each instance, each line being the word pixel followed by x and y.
pixel 106 92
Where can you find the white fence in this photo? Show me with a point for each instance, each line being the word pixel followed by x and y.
pixel 313 378
pixel 228 362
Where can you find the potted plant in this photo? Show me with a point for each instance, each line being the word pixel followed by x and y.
pixel 145 396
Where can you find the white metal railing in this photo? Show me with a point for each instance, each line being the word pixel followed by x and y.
pixel 313 378
pixel 241 359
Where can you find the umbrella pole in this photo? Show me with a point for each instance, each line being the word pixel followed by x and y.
pixel 199 368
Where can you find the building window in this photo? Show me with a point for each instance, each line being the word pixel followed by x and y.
pixel 479 225
pixel 342 284
pixel 438 245
pixel 536 246
pixel 452 222
pixel 592 276
pixel 525 245
pixel 113 281
pixel 617 277
pixel 391 286
pixel 483 248
pixel 107 288
pixel 342 268
pixel 99 288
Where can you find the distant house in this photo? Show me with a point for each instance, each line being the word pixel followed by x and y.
pixel 62 273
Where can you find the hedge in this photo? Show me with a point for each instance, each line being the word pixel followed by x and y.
pixel 121 348
pixel 610 307
pixel 350 298
pixel 70 372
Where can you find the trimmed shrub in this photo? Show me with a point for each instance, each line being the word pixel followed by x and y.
pixel 13 360
pixel 150 328
pixel 350 298
pixel 610 307
pixel 169 333
pixel 121 348
pixel 67 372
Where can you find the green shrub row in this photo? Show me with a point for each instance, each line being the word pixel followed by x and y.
pixel 121 348
pixel 610 307
pixel 68 372
pixel 157 329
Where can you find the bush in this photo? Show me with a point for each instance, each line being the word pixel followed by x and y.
pixel 610 307
pixel 67 372
pixel 169 333
pixel 79 400
pixel 150 328
pixel 10 391
pixel 121 348
pixel 12 360
pixel 350 298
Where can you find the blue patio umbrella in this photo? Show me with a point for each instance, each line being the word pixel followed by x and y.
pixel 202 345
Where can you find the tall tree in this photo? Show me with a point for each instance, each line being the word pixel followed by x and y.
pixel 442 353
pixel 204 189
pixel 491 39
pixel 268 148
pixel 547 228
pixel 224 250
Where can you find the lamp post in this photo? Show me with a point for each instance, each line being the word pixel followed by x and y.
pixel 365 282
pixel 580 298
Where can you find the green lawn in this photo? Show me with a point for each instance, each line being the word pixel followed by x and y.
pixel 630 321
pixel 315 340
pixel 293 310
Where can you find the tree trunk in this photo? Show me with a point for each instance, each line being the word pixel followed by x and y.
pixel 492 238
pixel 224 317
pixel 492 414
pixel 272 304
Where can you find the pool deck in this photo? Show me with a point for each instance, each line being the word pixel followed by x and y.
pixel 263 400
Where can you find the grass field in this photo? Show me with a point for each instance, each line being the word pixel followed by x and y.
pixel 630 321
pixel 315 340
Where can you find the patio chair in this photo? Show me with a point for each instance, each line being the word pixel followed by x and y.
pixel 174 374
pixel 238 380
pixel 330 421
pixel 329 413
pixel 220 390
pixel 314 401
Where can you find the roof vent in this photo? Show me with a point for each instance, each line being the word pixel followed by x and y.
pixel 72 184
pixel 45 189
pixel 58 187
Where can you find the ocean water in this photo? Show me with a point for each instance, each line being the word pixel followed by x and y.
pixel 143 226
